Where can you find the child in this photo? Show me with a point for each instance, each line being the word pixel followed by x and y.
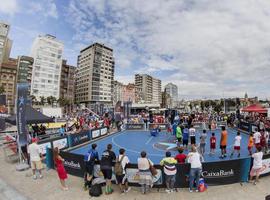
pixel 213 144
pixel 237 142
pixel 181 157
pixel 250 143
pixel 185 137
pixel 203 142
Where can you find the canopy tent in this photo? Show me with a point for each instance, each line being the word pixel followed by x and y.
pixel 32 116
pixel 254 108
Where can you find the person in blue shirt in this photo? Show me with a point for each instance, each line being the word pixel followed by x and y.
pixel 62 131
pixel 185 137
pixel 89 158
pixel 174 126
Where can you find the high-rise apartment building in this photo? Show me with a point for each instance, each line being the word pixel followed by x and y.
pixel 8 79
pixel 95 75
pixel 5 42
pixel 67 87
pixel 46 76
pixel 172 90
pixel 148 89
pixel 117 91
pixel 24 70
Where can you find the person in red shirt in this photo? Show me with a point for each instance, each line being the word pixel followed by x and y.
pixel 181 157
pixel 213 141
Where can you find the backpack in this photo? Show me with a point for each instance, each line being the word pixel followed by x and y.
pixel 95 190
pixel 118 169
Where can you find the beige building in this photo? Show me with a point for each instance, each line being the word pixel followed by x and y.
pixel 67 87
pixel 148 89
pixel 5 42
pixel 8 80
pixel 95 76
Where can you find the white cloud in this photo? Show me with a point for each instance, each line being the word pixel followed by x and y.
pixel 9 7
pixel 212 46
pixel 46 8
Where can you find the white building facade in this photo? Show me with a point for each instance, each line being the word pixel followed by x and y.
pixel 46 76
pixel 172 90
pixel 5 42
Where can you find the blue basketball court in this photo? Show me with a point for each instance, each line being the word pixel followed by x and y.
pixel 136 141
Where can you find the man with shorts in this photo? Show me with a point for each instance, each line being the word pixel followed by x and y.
pixel 192 135
pixel 106 164
pixel 237 143
pixel 35 158
pixel 122 179
pixel 223 142
pixel 257 138
pixel 89 159
pixel 179 135
pixel 185 137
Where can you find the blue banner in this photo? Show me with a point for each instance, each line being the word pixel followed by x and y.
pixel 22 90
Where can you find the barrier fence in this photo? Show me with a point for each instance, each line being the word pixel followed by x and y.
pixel 214 173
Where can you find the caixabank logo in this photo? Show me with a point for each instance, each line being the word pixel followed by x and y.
pixel 72 164
pixel 218 174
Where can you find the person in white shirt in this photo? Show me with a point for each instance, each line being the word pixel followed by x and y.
pixel 35 158
pixel 237 144
pixel 192 135
pixel 257 137
pixel 146 180
pixel 122 179
pixel 266 135
pixel 194 158
pixel 257 165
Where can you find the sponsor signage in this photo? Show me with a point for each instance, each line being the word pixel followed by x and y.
pixel 43 146
pixel 95 133
pixel 134 126
pixel 79 138
pixel 22 89
pixel 61 143
pixel 103 131
pixel 161 126
pixel 244 126
pixel 74 163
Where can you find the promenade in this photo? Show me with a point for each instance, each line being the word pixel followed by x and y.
pixel 20 186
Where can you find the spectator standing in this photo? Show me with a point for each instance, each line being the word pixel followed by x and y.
pixel 169 168
pixel 250 143
pixel 223 142
pixel 237 144
pixel 106 164
pixel 181 157
pixel 203 142
pixel 146 180
pixel 185 137
pixel 89 159
pixel 192 135
pixel 257 138
pixel 257 165
pixel 194 158
pixel 35 158
pixel 179 135
pixel 122 178
pixel 62 174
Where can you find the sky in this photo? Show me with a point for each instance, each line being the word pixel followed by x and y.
pixel 208 48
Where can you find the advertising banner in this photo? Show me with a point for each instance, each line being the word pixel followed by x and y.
pixel 22 90
pixel 74 163
pixel 244 126
pixel 134 126
pixel 43 146
pixel 226 172
pixel 266 165
pixel 61 143
pixel 161 126
pixel 103 131
pixel 79 138
pixel 95 133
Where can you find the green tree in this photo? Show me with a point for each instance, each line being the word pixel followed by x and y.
pixel 51 100
pixel 33 99
pixel 202 105
pixel 2 89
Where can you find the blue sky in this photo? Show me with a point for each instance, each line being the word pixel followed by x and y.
pixel 206 47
